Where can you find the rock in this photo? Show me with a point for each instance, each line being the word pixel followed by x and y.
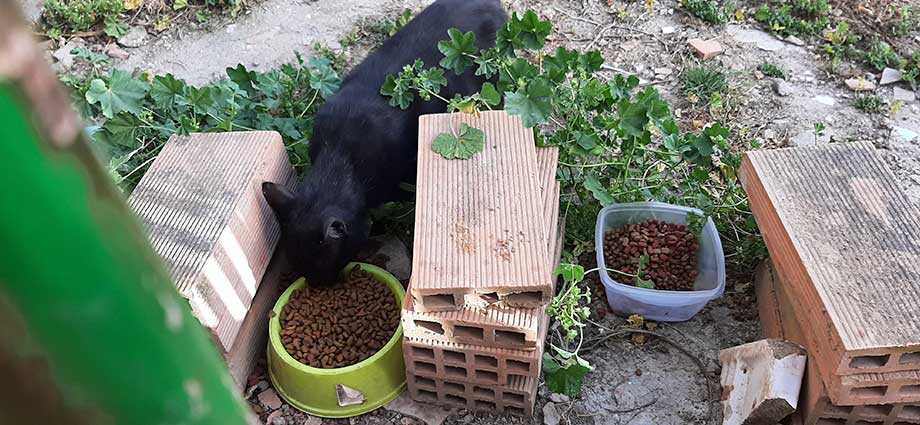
pixel 312 420
pixel 663 71
pixel 269 399
pixel 550 415
pixel 135 37
pixel 559 398
pixel 706 49
pixel 781 87
pixel 769 134
pixel 905 134
pixel 761 380
pixel 115 52
pixel 795 40
pixel 860 84
pixel 398 262
pixel 825 100
pixel 427 413
pixel 667 30
pixel 275 418
pixel 904 95
pixel 890 76
pixel 64 57
pixel 763 40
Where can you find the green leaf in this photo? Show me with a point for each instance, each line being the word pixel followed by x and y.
pixel 114 28
pixel 598 190
pixel 166 91
pixel 123 129
pixel 323 78
pixel 643 283
pixel 565 380
pixel 458 51
pixel 570 272
pixel 488 61
pixel 532 31
pixel 621 88
pixel 199 99
pixel 90 56
pixel 123 93
pixel 469 143
pixel 243 77
pixel 432 79
pixel 398 91
pixel 633 118
pixel 489 95
pixel 533 103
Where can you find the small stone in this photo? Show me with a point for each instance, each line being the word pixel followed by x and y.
pixel 825 100
pixel 135 37
pixel 663 71
pixel 904 95
pixel 550 415
pixel 269 399
pixel 905 134
pixel 275 418
pixel 312 420
pixel 706 49
pixel 769 134
pixel 406 421
pixel 781 87
pixel 667 30
pixel 860 84
pixel 890 76
pixel 64 57
pixel 115 52
pixel 795 40
pixel 559 398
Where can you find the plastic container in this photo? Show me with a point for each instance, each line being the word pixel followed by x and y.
pixel 381 377
pixel 659 305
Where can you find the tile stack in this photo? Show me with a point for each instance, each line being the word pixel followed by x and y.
pixel 486 242
pixel 201 205
pixel 843 240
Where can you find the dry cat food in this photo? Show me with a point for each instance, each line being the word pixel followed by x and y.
pixel 339 326
pixel 666 252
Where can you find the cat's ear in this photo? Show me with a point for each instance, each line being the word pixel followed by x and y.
pixel 279 198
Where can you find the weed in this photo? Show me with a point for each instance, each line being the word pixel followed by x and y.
pixel 910 70
pixel 70 16
pixel 870 104
pixel 794 17
pixel 772 70
pixel 702 82
pixel 906 22
pixel 841 44
pixel 707 10
pixel 819 130
pixel 136 115
pixel 880 55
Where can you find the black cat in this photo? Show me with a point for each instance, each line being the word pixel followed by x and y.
pixel 363 148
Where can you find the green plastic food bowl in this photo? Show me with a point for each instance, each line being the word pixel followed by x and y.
pixel 322 392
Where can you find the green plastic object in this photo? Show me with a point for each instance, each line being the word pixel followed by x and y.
pixel 381 377
pixel 92 330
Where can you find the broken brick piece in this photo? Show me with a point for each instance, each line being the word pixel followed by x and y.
pixel 202 207
pixel 761 381
pixel 706 49
pixel 479 223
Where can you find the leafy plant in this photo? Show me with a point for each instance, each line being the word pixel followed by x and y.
pixel 70 16
pixel 910 70
pixel 819 130
pixel 880 55
pixel 841 44
pixel 907 21
pixel 702 82
pixel 794 17
pixel 564 369
pixel 707 10
pixel 871 104
pixel 772 70
pixel 135 115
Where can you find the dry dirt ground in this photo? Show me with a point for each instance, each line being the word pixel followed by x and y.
pixel 649 383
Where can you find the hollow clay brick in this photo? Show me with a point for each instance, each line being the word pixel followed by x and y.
pixel 202 207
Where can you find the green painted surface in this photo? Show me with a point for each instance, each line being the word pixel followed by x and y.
pixel 96 304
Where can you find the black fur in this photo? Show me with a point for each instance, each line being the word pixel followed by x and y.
pixel 363 148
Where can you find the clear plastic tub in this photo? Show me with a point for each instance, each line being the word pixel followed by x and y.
pixel 659 305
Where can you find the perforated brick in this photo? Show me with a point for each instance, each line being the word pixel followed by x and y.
pixel 516 398
pixel 471 363
pixel 842 235
pixel 815 406
pixel 484 238
pixel 493 326
pixel 201 204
